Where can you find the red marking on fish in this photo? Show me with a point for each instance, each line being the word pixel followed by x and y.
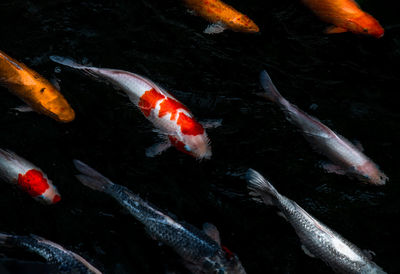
pixel 229 254
pixel 170 106
pixel 56 199
pixel 178 144
pixel 149 100
pixel 189 126
pixel 33 182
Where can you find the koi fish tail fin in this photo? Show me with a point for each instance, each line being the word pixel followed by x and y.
pixel 271 92
pixel 260 189
pixel 68 62
pixel 91 178
pixel 6 240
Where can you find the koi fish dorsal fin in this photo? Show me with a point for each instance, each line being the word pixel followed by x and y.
pixel 215 28
pixel 91 178
pixel 212 232
pixel 10 61
pixel 335 29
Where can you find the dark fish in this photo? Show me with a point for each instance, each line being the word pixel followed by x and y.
pixel 66 260
pixel 201 250
pixel 317 239
pixel 346 157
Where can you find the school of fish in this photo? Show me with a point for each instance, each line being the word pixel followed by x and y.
pixel 200 249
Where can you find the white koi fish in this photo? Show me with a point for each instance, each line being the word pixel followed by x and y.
pixel 346 157
pixel 28 177
pixel 166 113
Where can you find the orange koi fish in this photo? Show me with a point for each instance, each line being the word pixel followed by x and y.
pixel 222 16
pixel 345 15
pixel 28 177
pixel 34 90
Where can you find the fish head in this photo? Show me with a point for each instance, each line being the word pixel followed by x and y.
pixel 370 173
pixel 54 104
pixel 367 25
pixel 372 268
pixel 244 24
pixel 50 196
pixel 228 262
pixel 198 146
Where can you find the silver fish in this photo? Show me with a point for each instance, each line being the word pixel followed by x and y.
pixel 317 239
pixel 346 157
pixel 201 250
pixel 65 260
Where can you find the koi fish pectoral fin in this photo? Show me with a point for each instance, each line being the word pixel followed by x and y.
pixel 332 168
pixel 157 149
pixel 212 232
pixel 211 123
pixel 369 253
pixel 215 28
pixel 335 29
pixel 307 252
pixel 358 145
pixel 23 108
pixel 55 82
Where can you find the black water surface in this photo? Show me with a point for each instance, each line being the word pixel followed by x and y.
pixel 349 82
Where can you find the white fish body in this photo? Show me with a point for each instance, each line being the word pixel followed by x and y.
pixel 317 239
pixel 346 157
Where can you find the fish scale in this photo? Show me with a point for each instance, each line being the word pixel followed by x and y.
pixel 187 240
pixel 66 261
pixel 201 252
pixel 317 239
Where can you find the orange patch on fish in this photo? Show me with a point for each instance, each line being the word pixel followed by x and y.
pixel 149 100
pixel 170 106
pixel 34 89
pixel 346 15
pixel 33 182
pixel 189 126
pixel 217 11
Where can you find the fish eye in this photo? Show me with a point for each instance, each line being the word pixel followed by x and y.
pixel 365 30
pixel 187 148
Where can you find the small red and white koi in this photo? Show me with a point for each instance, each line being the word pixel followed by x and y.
pixel 31 179
pixel 346 157
pixel 166 113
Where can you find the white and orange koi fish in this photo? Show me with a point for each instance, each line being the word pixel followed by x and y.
pixel 346 157
pixel 166 113
pixel 28 177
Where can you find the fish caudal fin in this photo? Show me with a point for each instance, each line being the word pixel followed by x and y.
pixel 271 92
pixel 90 71
pixel 91 178
pixel 260 188
pixel 65 61
pixel 5 240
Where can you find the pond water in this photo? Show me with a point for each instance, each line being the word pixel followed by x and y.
pixel 349 82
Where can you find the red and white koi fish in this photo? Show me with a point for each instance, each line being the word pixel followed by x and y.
pixel 166 113
pixel 347 158
pixel 28 177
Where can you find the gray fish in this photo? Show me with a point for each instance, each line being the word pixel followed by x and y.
pixel 65 260
pixel 346 157
pixel 317 239
pixel 201 250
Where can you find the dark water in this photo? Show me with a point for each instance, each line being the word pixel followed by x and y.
pixel 354 81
